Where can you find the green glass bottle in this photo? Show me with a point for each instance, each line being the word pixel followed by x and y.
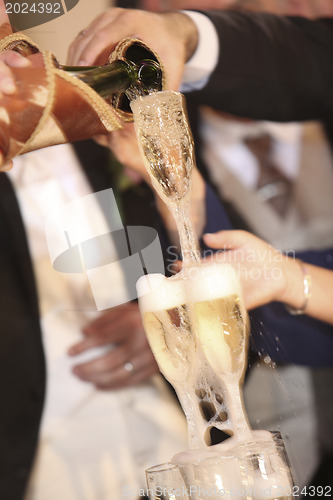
pixel 139 74
pixel 120 76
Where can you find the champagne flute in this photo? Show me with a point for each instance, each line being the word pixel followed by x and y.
pixel 166 144
pixel 195 323
pixel 258 469
pixel 165 482
pixel 264 469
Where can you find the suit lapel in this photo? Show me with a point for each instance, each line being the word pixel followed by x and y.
pixel 14 237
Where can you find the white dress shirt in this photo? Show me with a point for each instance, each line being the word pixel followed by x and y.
pixel 204 60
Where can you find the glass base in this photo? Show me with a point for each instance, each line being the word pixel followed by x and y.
pixel 258 469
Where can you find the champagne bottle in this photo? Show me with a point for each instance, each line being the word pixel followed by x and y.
pixel 133 77
pixel 121 76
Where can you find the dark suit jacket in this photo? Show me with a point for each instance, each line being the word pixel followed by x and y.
pixel 22 371
pixel 22 364
pixel 272 68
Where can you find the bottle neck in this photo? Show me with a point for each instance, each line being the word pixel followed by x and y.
pixel 120 76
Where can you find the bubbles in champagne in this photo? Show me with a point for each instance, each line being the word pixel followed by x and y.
pixel 157 292
pixel 165 318
pixel 170 339
pixel 165 141
pixel 220 317
pixel 166 145
pixel 212 281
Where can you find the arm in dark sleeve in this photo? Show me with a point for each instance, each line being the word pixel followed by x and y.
pixel 294 339
pixel 270 67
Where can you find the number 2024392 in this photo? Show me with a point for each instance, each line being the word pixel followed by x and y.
pixel 34 8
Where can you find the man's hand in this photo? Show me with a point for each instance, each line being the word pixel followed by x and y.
pixel 172 35
pixel 121 327
pixel 123 143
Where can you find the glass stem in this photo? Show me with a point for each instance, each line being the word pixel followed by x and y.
pixel 196 426
pixel 239 419
pixel 189 243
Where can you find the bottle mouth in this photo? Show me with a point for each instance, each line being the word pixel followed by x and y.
pixel 150 74
pixel 148 80
pixel 139 54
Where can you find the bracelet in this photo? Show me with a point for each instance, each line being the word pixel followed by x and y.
pixel 307 292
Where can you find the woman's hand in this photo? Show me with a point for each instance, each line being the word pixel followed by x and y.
pixel 268 275
pixel 262 270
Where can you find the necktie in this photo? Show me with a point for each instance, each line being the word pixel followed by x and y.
pixel 273 186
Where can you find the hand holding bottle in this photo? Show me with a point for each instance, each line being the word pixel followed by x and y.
pixel 172 35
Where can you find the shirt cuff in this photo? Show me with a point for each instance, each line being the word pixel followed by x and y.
pixel 204 60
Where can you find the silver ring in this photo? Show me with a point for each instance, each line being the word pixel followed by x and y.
pixel 129 367
pixel 83 33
